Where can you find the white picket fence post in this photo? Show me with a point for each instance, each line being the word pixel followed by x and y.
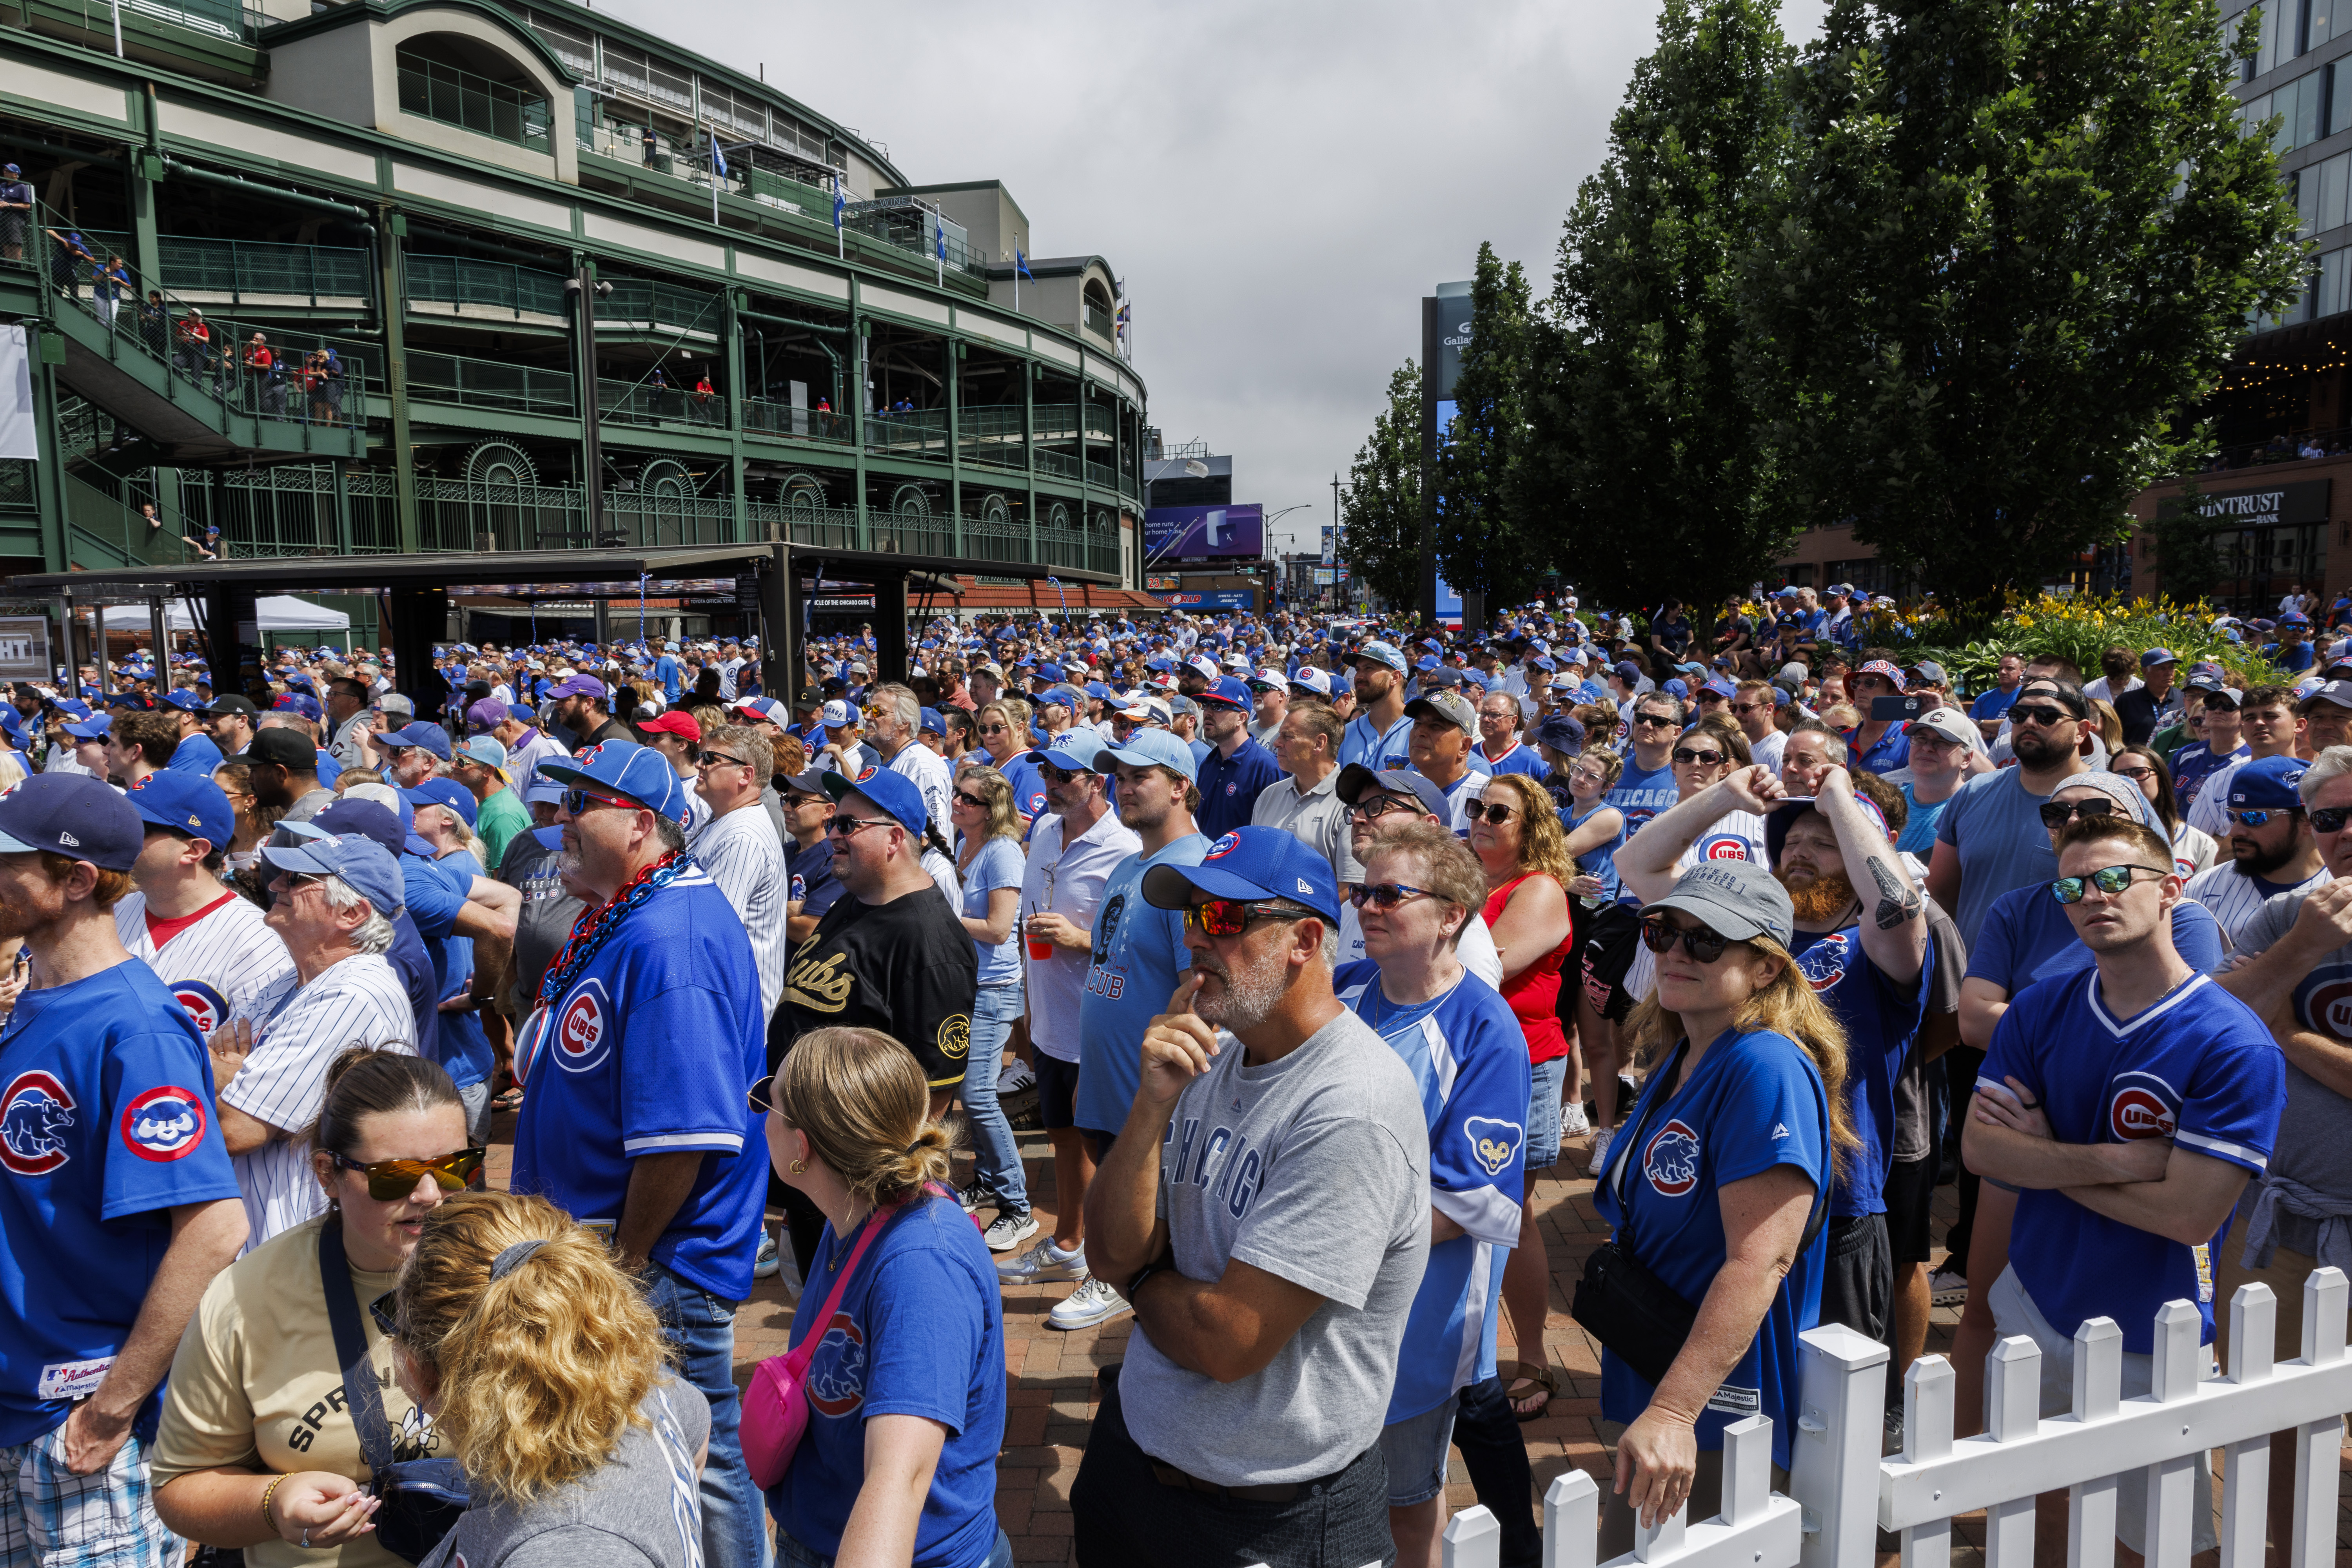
pixel 1572 1521
pixel 1833 1457
pixel 1473 1539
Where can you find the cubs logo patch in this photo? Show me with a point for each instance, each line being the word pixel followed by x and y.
pixel 866 774
pixel 954 1039
pixel 1723 846
pixel 165 1124
pixel 1493 1141
pixel 35 1112
pixel 1223 847
pixel 836 1383
pixel 582 1032
pixel 2141 1105
pixel 1233 788
pixel 206 1007
pixel 1670 1162
pixel 2324 1003
pixel 1825 963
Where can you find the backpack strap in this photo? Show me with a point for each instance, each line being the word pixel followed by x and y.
pixel 361 1395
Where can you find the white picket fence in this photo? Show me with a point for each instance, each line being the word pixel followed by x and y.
pixel 1841 1492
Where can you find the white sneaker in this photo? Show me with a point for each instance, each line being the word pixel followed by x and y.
pixel 974 1198
pixel 1015 1076
pixel 1010 1230
pixel 764 1266
pixel 1601 1138
pixel 1572 1123
pixel 1947 1288
pixel 1042 1263
pixel 1091 1303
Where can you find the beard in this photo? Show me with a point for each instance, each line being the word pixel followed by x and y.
pixel 1819 901
pixel 2034 748
pixel 1245 999
pixel 2258 861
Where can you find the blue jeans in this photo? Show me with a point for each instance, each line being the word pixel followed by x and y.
pixel 702 1326
pixel 994 1009
pixel 791 1554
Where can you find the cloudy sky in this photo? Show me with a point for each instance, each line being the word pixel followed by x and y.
pixel 1278 185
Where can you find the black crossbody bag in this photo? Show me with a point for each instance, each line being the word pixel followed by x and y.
pixel 1620 1300
pixel 422 1498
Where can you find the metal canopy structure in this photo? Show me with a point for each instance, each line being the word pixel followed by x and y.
pixel 766 581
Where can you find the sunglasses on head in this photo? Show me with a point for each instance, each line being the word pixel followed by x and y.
pixel 1702 944
pixel 1386 896
pixel 389 1181
pixel 2109 879
pixel 1231 917
pixel 2059 813
pixel 1689 757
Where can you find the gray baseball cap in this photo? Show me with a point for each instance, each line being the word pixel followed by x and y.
pixel 1735 899
pixel 1356 781
pixel 1450 706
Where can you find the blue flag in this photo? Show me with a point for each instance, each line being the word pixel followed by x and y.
pixel 1021 265
pixel 838 205
pixel 719 157
pixel 943 244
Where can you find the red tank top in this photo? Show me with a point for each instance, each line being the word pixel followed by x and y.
pixel 1534 992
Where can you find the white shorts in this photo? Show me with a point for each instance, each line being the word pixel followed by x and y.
pixel 2014 1312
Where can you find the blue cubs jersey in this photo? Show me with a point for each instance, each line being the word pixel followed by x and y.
pixel 1521 759
pixel 1365 742
pixel 106 1124
pixel 2197 1066
pixel 1882 1018
pixel 1469 1061
pixel 1642 795
pixel 1754 1101
pixel 1028 785
pixel 2196 763
pixel 649 1051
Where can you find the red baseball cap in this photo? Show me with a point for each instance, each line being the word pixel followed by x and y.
pixel 674 721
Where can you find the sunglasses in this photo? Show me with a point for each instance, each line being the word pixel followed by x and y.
pixel 389 1181
pixel 2037 714
pixel 1386 896
pixel 761 1096
pixel 1687 757
pixel 2109 879
pixel 1231 917
pixel 2059 813
pixel 1749 708
pixel 2329 818
pixel 579 803
pixel 2259 818
pixel 2135 774
pixel 977 803
pixel 1702 944
pixel 850 824
pixel 1373 810
pixel 1655 721
pixel 1061 776
pixel 1495 812
pixel 710 759
pixel 993 729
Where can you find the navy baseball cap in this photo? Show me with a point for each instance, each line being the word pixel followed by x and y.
pixel 2157 656
pixel 421 732
pixel 2267 784
pixel 354 859
pixel 1227 692
pixel 1154 748
pixel 1250 863
pixel 185 802
pixel 72 815
pixel 896 793
pixel 444 792
pixel 1563 733
pixel 626 769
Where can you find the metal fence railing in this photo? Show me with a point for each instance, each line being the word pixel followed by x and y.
pixel 643 402
pixel 471 102
pixel 486 384
pixel 473 288
pixel 916 433
pixel 240 273
pixel 764 416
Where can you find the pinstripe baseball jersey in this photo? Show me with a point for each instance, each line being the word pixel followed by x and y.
pixel 299 1031
pixel 743 855
pixel 2235 898
pixel 216 964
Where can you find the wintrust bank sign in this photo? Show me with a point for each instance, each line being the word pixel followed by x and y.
pixel 2305 500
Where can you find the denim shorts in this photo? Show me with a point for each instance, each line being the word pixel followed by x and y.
pixel 1543 1112
pixel 1414 1450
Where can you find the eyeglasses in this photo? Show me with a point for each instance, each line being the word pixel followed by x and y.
pixel 2109 879
pixel 850 824
pixel 1386 896
pixel 579 802
pixel 1687 757
pixel 2059 813
pixel 803 801
pixel 2137 775
pixel 1655 721
pixel 978 803
pixel 708 759
pixel 2260 818
pixel 389 1181
pixel 1702 944
pixel 993 729
pixel 1495 812
pixel 1749 708
pixel 1231 917
pixel 2035 713
pixel 1373 810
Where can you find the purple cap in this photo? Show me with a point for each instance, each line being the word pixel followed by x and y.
pixel 577 685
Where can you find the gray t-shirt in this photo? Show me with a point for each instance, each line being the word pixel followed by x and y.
pixel 2313 1150
pixel 639 1507
pixel 1996 826
pixel 1913 1137
pixel 1316 1168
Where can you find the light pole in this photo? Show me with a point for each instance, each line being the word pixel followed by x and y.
pixel 1268 528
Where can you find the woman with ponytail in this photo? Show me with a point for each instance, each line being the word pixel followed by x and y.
pixel 542 1367
pixel 906 1391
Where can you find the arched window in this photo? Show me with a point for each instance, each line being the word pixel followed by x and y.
pixel 465 82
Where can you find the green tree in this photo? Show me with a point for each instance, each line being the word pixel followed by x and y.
pixel 1650 460
pixel 2188 564
pixel 1483 547
pixel 1380 515
pixel 2023 236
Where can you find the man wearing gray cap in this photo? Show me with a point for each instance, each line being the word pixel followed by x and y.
pixel 1444 726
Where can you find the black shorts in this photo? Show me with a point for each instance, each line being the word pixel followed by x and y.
pixel 1057 1090
pixel 1910 1202
pixel 1606 945
pixel 1858 1275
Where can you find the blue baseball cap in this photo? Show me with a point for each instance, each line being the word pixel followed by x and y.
pixel 185 803
pixel 93 728
pixel 183 699
pixel 1149 748
pixel 1356 781
pixel 354 859
pixel 72 815
pixel 419 732
pixel 298 702
pixel 931 723
pixel 1250 863
pixel 1227 692
pixel 1382 653
pixel 2157 656
pixel 1080 748
pixel 2267 784
pixel 626 769
pixel 896 793
pixel 444 792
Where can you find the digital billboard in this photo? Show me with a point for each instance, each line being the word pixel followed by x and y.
pixel 1213 599
pixel 1182 531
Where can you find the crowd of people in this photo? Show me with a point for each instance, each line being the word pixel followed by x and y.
pixel 1310 945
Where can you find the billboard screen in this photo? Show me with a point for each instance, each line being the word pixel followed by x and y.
pixel 1213 599
pixel 1179 531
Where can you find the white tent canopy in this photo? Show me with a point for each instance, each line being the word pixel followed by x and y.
pixel 278 613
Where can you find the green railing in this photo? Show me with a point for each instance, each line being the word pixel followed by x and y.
pixel 1102 473
pixel 292 510
pixel 992 434
pixel 1099 321
pixel 635 403
pixel 995 539
pixel 829 528
pixel 764 416
pixel 1099 425
pixel 644 303
pixel 472 102
pixel 16 486
pixel 239 272
pixel 485 384
pixel 775 190
pixel 922 433
pixel 472 288
pixel 1061 465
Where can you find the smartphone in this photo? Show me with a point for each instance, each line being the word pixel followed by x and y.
pixel 1899 708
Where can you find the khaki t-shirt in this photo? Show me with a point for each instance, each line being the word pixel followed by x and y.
pixel 256 1384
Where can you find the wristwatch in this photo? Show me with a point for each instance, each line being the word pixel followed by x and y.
pixel 1164 1264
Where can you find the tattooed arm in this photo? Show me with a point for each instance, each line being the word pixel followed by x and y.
pixel 1894 911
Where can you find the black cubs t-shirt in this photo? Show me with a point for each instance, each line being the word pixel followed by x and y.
pixel 907 968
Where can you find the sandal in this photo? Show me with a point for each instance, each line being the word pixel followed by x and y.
pixel 510 1101
pixel 1541 1376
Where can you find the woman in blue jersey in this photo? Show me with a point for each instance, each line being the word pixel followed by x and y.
pixel 1725 1161
pixel 989 861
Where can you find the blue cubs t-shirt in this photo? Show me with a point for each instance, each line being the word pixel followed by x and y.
pixel 1640 795
pixel 1882 1017
pixel 439 888
pixel 1139 951
pixel 919 1332
pixel 995 864
pixel 2026 938
pixel 1600 861
pixel 106 1124
pixel 1469 1061
pixel 1754 1101
pixel 1028 785
pixel 649 1051
pixel 194 754
pixel 2197 1066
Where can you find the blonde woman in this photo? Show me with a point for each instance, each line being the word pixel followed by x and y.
pixel 542 1367
pixel 907 1390
pixel 989 861
pixel 1725 1160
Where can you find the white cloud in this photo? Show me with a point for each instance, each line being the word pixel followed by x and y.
pixel 1277 184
